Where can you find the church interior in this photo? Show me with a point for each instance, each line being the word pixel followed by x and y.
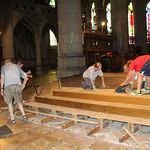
pixel 58 40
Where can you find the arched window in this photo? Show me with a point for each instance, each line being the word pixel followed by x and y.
pixel 108 17
pixel 52 3
pixel 53 41
pixel 131 32
pixel 93 17
pixel 148 22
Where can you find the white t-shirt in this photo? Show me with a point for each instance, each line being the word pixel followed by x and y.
pixel 91 73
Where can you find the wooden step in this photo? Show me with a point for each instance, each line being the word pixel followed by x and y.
pixel 106 95
pixel 112 107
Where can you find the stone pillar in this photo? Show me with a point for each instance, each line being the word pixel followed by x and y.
pixel 120 25
pixel 88 15
pixel 70 54
pixel 100 15
pixel 7 42
pixel 38 55
pixel 140 25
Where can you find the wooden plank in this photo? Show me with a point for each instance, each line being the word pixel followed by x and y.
pixel 68 124
pixel 62 117
pixel 108 116
pixel 47 119
pixel 59 83
pixel 100 122
pixel 107 123
pixel 130 127
pixel 18 113
pixel 58 79
pixel 53 111
pixel 30 115
pixel 125 136
pixel 102 96
pixel 91 101
pixel 104 107
pixel 4 108
pixel 110 121
pixel 87 121
pixel 128 132
pixel 142 146
pixel 75 117
pixel 94 130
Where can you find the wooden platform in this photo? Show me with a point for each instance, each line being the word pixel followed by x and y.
pixel 105 102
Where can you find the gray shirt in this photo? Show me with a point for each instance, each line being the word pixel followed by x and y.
pixel 91 73
pixel 12 74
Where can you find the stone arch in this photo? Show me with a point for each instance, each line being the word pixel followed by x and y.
pixel 50 53
pixel 105 3
pixel 51 25
pixel 147 2
pixel 24 43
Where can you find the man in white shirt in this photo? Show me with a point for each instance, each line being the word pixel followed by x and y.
pixel 90 75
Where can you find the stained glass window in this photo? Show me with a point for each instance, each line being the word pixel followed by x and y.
pixel 131 32
pixel 53 41
pixel 148 22
pixel 93 17
pixel 108 17
pixel 52 3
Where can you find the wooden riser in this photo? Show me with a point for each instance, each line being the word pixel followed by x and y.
pixel 91 105
pixel 105 96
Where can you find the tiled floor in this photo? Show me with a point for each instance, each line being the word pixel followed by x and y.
pixel 34 136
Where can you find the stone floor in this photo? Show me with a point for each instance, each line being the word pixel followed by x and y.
pixel 34 135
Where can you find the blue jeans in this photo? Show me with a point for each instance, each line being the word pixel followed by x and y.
pixel 86 83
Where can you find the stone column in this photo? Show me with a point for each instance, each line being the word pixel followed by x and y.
pixel 8 42
pixel 100 15
pixel 38 55
pixel 70 54
pixel 88 14
pixel 120 25
pixel 140 25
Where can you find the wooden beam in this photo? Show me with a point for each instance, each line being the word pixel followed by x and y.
pixel 130 127
pixel 18 113
pixel 94 130
pixel 75 117
pixel 107 123
pixel 68 124
pixel 59 83
pixel 125 136
pixel 30 115
pixel 100 122
pixel 142 146
pixel 53 111
pixel 128 132
pixel 63 117
pixel 101 125
pixel 4 108
pixel 47 119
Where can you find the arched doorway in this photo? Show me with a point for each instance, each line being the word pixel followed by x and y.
pixel 49 47
pixel 24 45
